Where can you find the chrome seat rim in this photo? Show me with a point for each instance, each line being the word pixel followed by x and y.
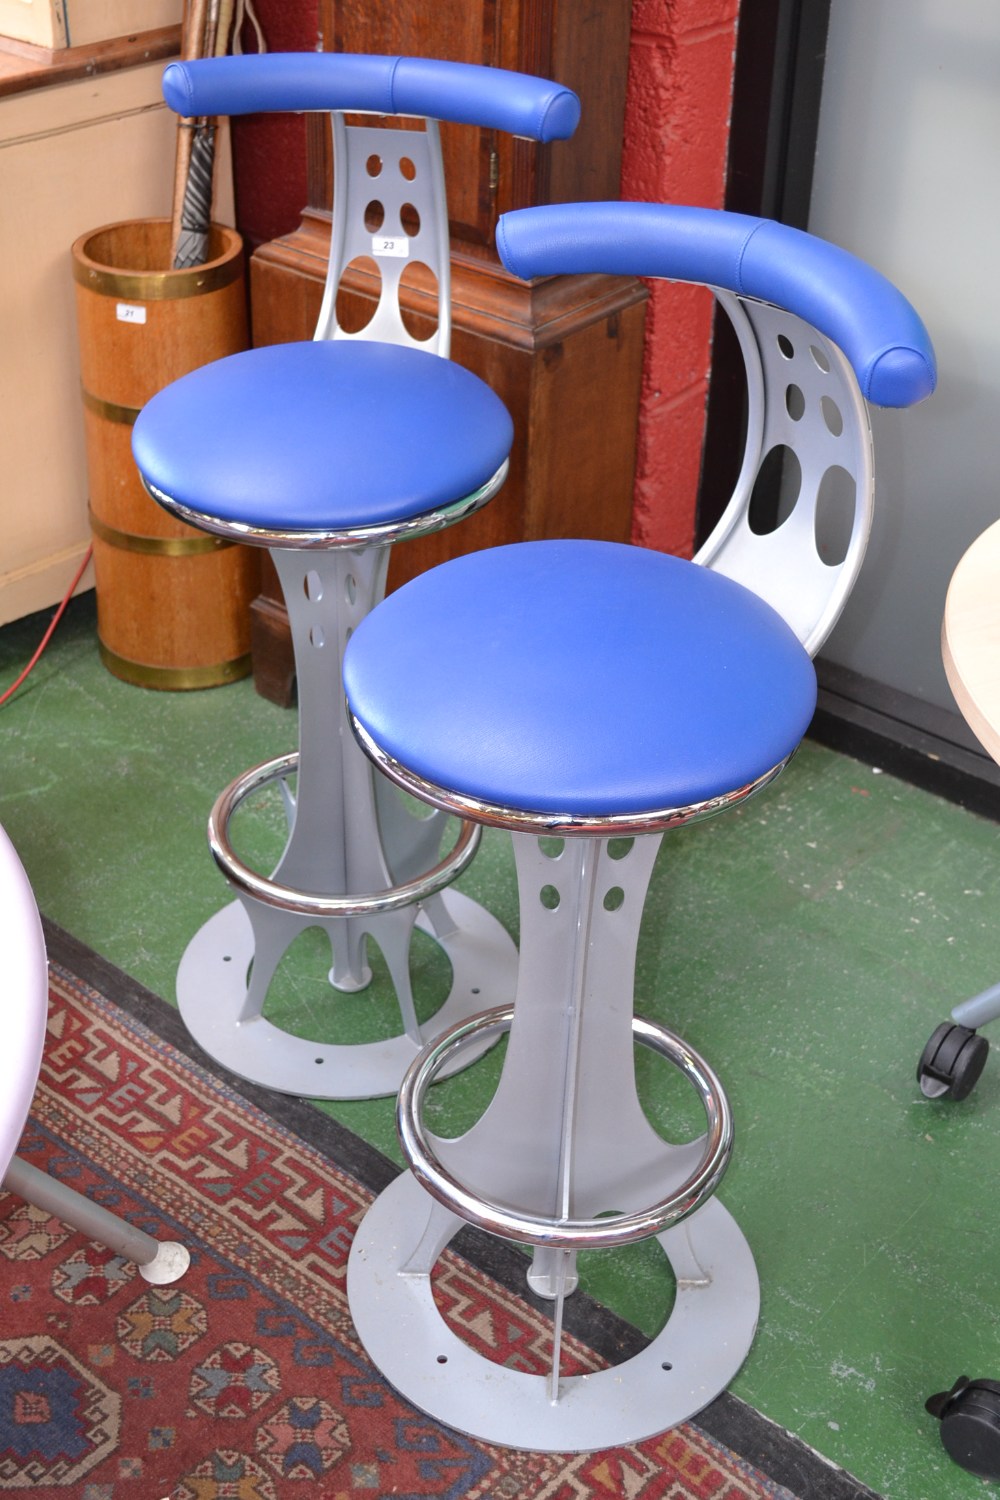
pixel 378 534
pixel 562 824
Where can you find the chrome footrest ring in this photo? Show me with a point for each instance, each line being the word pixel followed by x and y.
pixel 313 903
pixel 564 1234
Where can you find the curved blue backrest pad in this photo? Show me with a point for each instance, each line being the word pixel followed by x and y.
pixel 842 296
pixel 580 677
pixel 466 93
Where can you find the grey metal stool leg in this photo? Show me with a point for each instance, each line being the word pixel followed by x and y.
pixel 563 1143
pixel 978 1010
pixel 159 1261
pixel 348 857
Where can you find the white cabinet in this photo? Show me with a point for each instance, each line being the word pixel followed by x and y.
pixel 73 156
pixel 78 23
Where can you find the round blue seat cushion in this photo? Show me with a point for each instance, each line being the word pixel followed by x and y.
pixel 322 436
pixel 580 678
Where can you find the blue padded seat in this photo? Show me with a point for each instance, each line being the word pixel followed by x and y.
pixel 580 678
pixel 322 436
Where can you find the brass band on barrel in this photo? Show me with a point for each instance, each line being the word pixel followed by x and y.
pixel 157 286
pixel 215 674
pixel 110 410
pixel 157 546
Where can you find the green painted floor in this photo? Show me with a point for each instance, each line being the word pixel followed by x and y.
pixel 807 943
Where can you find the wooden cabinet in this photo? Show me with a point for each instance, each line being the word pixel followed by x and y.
pixel 581 43
pixel 564 354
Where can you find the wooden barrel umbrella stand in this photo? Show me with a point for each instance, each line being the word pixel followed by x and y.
pixel 173 603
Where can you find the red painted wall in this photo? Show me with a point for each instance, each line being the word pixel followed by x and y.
pixel 269 152
pixel 676 132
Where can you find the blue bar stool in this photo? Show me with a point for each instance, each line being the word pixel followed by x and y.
pixel 325 453
pixel 593 696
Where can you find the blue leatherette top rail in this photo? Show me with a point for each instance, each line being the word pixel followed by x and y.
pixel 846 299
pixel 462 92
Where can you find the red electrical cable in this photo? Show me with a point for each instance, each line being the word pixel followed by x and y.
pixel 48 634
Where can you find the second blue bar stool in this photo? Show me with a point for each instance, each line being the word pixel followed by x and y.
pixel 325 453
pixel 591 698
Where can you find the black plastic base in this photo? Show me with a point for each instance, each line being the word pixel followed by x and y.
pixel 952 1061
pixel 970 1424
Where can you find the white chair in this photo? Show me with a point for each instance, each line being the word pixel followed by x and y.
pixel 956 1053
pixel 26 1002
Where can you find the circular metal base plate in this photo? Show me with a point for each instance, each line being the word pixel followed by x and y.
pixel 211 988
pixel 693 1358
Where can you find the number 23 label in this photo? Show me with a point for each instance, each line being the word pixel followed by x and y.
pixel 388 244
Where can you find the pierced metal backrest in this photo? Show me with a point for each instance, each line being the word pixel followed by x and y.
pixel 390 209
pixel 796 527
pixel 389 196
pixel 822 335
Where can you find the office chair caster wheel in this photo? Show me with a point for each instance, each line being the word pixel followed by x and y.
pixel 951 1062
pixel 970 1424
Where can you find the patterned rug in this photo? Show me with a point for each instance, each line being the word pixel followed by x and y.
pixel 246 1378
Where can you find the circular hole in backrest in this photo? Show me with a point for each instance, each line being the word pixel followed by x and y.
pixel 836 503
pixel 551 846
pixel 775 490
pixel 832 416
pixel 795 403
pixel 618 848
pixel 819 359
pixel 350 588
pixel 374 216
pixel 316 637
pixel 549 897
pixel 313 586
pixel 407 168
pixel 373 165
pixel 409 219
pixel 614 899
pixel 358 293
pixel 418 300
pixel 786 346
